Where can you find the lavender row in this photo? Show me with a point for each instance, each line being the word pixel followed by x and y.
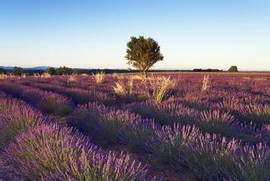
pixel 78 95
pixel 245 123
pixel 39 150
pixel 48 102
pixel 17 116
pixel 48 152
pixel 175 146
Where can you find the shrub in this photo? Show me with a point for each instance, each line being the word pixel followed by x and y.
pixel 104 124
pixel 71 79
pixel 18 71
pixel 179 113
pixel 86 116
pixel 17 116
pixel 254 116
pixel 253 163
pixel 209 157
pixel 3 95
pixel 99 77
pixel 136 134
pixel 215 121
pixel 3 76
pixel 46 75
pixel 49 71
pixel 167 142
pixel 55 103
pixel 112 124
pixel 160 87
pixel 233 68
pixel 48 152
pixel 214 158
pixel 150 110
pixel 124 87
pixel 205 83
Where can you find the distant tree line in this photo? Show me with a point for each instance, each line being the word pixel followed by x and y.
pixel 69 71
pixel 61 71
pixel 207 70
pixel 2 71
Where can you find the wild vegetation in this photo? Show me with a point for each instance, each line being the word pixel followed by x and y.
pixel 179 126
pixel 143 53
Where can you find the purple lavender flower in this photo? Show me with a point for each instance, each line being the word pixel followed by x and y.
pixel 17 116
pixel 49 152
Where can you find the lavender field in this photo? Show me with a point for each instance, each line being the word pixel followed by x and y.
pixel 170 126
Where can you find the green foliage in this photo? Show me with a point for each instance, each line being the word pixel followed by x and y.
pixel 64 71
pixel 143 53
pixel 51 71
pixel 2 71
pixel 233 68
pixel 76 71
pixel 17 71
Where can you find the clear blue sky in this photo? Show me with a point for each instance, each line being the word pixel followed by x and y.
pixel 94 33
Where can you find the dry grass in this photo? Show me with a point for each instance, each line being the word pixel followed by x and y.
pixel 71 79
pixel 124 87
pixel 99 77
pixel 160 87
pixel 46 75
pixel 3 76
pixel 205 83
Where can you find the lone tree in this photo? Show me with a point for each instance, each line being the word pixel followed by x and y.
pixel 143 53
pixel 17 71
pixel 50 70
pixel 233 68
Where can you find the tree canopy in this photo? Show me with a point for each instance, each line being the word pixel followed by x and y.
pixel 64 71
pixel 2 71
pixel 233 68
pixel 143 53
pixel 17 71
pixel 50 70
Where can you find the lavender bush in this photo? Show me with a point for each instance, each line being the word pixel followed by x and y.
pixel 167 142
pixel 48 102
pixel 17 116
pixel 217 122
pixel 112 126
pixel 48 152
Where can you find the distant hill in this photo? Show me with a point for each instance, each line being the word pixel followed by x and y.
pixel 30 68
pixel 37 68
pixel 7 67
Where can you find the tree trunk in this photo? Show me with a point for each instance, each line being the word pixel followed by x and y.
pixel 144 74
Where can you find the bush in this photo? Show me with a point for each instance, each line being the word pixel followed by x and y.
pixel 50 71
pixel 160 87
pixel 167 142
pixel 17 71
pixel 55 103
pixel 136 134
pixel 254 116
pixel 48 152
pixel 233 68
pixel 17 116
pixel 99 77
pixel 215 121
pixel 214 158
pixel 210 157
pixel 111 125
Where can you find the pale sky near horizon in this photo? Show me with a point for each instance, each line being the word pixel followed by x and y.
pixel 94 33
